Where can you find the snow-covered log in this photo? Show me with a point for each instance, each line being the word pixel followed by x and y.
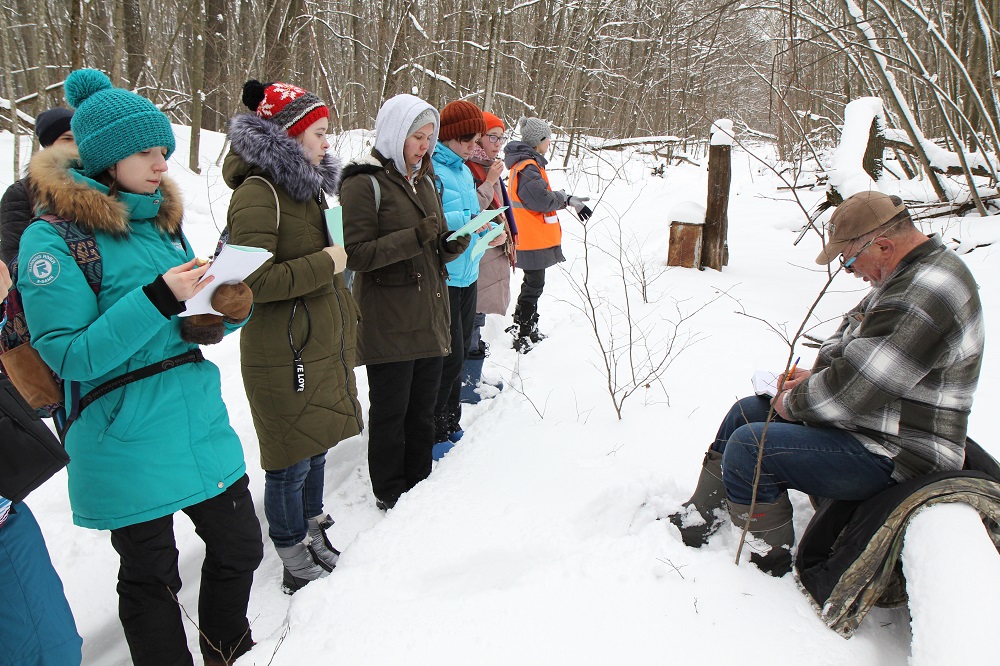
pixel 952 571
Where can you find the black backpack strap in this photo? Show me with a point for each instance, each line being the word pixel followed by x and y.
pixel 79 404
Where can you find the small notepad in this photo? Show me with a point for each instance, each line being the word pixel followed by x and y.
pixel 765 383
pixel 233 264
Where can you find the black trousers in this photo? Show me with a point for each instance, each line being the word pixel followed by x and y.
pixel 401 424
pixel 463 319
pixel 531 291
pixel 148 580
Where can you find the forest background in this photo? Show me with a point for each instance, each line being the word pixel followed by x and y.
pixel 783 70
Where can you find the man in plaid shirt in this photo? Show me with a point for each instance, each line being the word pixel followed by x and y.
pixel 888 398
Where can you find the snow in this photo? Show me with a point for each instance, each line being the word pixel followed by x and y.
pixel 688 212
pixel 535 541
pixel 847 174
pixel 722 132
pixel 948 601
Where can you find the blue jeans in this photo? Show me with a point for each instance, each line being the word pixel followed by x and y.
pixel 825 462
pixel 291 496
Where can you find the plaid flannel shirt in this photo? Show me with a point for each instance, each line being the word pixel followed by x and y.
pixel 901 370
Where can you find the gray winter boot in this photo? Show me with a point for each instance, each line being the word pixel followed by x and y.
pixel 772 532
pixel 701 516
pixel 320 547
pixel 301 567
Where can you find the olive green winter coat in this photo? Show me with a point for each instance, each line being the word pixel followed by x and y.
pixel 400 285
pixel 300 278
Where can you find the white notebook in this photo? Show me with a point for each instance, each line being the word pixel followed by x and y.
pixel 233 265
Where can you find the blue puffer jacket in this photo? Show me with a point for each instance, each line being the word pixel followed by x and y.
pixel 461 204
pixel 156 445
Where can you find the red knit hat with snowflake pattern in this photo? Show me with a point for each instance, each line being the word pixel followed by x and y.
pixel 291 107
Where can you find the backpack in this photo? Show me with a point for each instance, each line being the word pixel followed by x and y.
pixel 41 388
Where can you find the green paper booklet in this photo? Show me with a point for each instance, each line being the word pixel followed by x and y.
pixel 476 222
pixel 335 225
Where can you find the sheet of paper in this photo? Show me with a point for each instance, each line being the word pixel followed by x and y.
pixel 335 225
pixel 476 222
pixel 233 265
pixel 765 382
pixel 484 241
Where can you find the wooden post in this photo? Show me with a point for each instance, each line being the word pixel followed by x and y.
pixel 685 245
pixel 715 249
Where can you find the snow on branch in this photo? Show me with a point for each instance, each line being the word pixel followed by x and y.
pixel 22 116
pixel 614 144
pixel 427 72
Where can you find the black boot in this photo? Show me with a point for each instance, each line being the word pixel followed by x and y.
pixel 703 512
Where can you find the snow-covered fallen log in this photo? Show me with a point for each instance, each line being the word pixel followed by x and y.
pixel 952 571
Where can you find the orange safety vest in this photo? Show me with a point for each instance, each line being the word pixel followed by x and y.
pixel 533 232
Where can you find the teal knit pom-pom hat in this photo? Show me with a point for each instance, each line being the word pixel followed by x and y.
pixel 111 123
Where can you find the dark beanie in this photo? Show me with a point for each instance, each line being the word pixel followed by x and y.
pixel 52 124
pixel 459 119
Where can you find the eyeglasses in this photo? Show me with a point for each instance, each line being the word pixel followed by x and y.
pixel 493 138
pixel 847 263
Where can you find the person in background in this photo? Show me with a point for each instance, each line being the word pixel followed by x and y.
pixel 157 444
pixel 397 242
pixel 495 267
pixel 539 234
pixel 297 351
pixel 36 622
pixel 461 126
pixel 17 208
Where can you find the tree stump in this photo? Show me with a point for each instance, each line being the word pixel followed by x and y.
pixel 685 245
pixel 716 251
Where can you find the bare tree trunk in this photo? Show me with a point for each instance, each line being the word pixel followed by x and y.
pixel 278 38
pixel 715 247
pixel 216 108
pixel 118 41
pixel 77 33
pixel 197 83
pixel 135 41
pixel 5 56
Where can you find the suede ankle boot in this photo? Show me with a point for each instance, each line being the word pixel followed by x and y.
pixel 702 515
pixel 772 532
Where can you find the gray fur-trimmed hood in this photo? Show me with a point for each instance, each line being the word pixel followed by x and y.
pixel 264 145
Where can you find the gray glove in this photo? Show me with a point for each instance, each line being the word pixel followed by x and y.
pixel 577 203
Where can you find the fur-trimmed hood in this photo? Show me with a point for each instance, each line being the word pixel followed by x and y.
pixel 59 192
pixel 264 145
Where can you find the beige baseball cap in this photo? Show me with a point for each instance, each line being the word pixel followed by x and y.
pixel 858 215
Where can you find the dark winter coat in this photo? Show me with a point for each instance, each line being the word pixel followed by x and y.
pixel 847 557
pixel 300 278
pixel 533 191
pixel 159 444
pixel 400 286
pixel 16 213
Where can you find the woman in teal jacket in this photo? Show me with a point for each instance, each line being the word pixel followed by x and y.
pixel 155 445
pixel 461 126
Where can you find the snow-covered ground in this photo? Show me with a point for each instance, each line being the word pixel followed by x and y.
pixel 535 541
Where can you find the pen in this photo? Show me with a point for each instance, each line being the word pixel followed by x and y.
pixel 792 371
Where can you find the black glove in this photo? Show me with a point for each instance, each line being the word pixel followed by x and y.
pixel 459 245
pixel 426 230
pixel 583 211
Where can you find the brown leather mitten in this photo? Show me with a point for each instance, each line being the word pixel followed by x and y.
pixel 203 329
pixel 233 301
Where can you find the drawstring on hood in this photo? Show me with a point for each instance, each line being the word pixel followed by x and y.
pixel 392 127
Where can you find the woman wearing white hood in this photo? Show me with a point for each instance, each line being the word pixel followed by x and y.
pixel 397 242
